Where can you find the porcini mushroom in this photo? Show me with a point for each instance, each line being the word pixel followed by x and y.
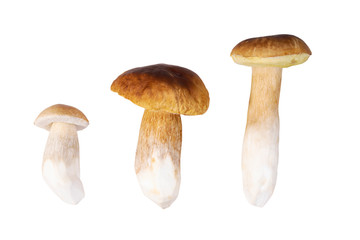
pixel 61 162
pixel 165 91
pixel 267 56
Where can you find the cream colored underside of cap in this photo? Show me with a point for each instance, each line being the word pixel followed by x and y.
pixel 282 62
pixel 45 122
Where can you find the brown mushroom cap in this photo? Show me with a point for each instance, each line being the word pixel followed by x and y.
pixel 164 87
pixel 61 113
pixel 273 51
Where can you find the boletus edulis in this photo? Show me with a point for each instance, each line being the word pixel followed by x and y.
pixel 267 56
pixel 165 91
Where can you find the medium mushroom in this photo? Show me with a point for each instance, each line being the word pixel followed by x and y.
pixel 61 162
pixel 165 91
pixel 267 56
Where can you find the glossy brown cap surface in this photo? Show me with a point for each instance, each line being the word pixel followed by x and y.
pixel 164 87
pixel 61 113
pixel 276 51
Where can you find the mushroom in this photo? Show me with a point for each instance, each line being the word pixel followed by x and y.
pixel 267 56
pixel 61 166
pixel 165 91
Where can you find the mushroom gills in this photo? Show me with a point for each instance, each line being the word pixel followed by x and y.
pixel 61 164
pixel 157 162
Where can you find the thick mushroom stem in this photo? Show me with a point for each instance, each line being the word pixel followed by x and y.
pixel 157 162
pixel 61 165
pixel 261 141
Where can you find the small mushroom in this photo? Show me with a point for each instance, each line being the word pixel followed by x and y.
pixel 165 91
pixel 61 162
pixel 267 56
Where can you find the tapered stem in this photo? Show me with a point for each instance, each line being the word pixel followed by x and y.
pixel 61 164
pixel 261 140
pixel 157 162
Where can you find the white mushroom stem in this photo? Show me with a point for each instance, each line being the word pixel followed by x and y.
pixel 61 166
pixel 261 141
pixel 157 162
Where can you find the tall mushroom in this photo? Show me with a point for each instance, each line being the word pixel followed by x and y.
pixel 267 56
pixel 61 161
pixel 165 91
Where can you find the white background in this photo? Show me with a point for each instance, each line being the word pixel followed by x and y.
pixel 70 52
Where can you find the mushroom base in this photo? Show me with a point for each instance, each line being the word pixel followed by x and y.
pixel 260 160
pixel 61 164
pixel 157 162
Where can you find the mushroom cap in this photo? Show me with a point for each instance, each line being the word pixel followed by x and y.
pixel 271 51
pixel 61 113
pixel 163 87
